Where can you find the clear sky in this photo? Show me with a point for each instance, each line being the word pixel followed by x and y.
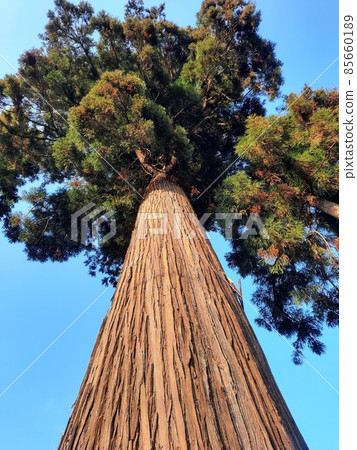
pixel 38 301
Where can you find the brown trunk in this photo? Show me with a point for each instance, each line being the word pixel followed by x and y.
pixel 176 364
pixel 328 207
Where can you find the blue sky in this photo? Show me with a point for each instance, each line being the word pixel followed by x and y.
pixel 38 301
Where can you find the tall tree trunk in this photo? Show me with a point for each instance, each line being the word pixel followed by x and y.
pixel 176 364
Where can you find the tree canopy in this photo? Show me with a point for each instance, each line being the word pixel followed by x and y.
pixel 104 105
pixel 105 101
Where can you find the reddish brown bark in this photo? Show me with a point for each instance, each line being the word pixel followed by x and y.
pixel 176 364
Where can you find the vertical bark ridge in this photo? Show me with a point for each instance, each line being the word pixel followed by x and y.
pixel 176 364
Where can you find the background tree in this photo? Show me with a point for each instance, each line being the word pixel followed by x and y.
pixel 289 176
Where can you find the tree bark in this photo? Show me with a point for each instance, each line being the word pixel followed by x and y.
pixel 328 207
pixel 176 364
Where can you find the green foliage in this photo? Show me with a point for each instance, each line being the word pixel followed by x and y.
pixel 286 169
pixel 118 118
